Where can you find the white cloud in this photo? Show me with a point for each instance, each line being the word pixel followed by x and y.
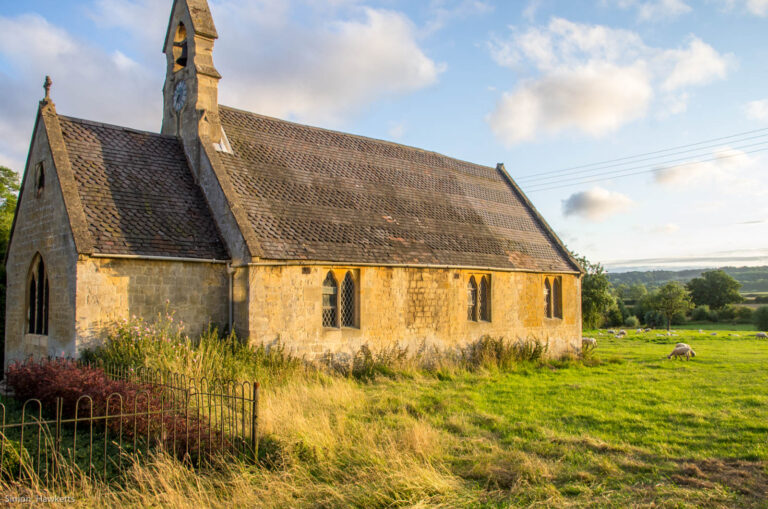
pixel 595 98
pixel 757 110
pixel 92 83
pixel 756 7
pixel 697 64
pixel 729 170
pixel 310 60
pixel 666 229
pixel 656 10
pixel 596 204
pixel 593 79
pixel 321 73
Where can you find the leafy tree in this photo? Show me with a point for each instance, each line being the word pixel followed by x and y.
pixel 761 318
pixel 671 299
pixel 637 291
pixel 715 289
pixel 596 297
pixel 9 188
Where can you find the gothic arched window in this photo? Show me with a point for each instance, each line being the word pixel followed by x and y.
pixel 37 303
pixel 330 301
pixel 547 298
pixel 180 48
pixel 348 301
pixel 557 297
pixel 485 298
pixel 472 299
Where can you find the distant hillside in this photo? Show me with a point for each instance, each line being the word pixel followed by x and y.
pixel 752 279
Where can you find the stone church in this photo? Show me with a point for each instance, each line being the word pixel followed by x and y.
pixel 279 231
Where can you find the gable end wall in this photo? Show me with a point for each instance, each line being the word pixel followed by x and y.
pixel 41 225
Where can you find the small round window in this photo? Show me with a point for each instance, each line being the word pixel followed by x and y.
pixel 39 179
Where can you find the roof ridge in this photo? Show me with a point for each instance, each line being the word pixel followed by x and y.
pixel 115 126
pixel 358 136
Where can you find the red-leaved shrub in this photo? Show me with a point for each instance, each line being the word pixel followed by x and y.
pixel 143 410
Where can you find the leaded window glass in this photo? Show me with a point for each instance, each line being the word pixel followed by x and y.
pixel 485 299
pixel 348 301
pixel 39 294
pixel 330 301
pixel 472 299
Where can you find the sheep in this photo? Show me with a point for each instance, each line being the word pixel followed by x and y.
pixel 682 351
pixel 713 334
pixel 585 342
pixel 647 330
pixel 761 335
pixel 611 331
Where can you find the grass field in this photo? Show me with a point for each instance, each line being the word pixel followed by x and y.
pixel 715 326
pixel 632 430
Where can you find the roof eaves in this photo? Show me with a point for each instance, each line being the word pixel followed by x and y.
pixel 548 229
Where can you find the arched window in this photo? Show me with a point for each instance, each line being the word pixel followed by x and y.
pixel 180 48
pixel 547 298
pixel 557 297
pixel 330 301
pixel 485 298
pixel 37 305
pixel 472 299
pixel 348 301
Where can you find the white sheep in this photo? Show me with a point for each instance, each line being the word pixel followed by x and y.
pixel 611 331
pixel 761 335
pixel 588 342
pixel 682 351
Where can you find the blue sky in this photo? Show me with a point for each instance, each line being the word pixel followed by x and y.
pixel 542 86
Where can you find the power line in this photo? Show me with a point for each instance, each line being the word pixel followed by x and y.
pixel 744 133
pixel 529 179
pixel 618 173
pixel 642 172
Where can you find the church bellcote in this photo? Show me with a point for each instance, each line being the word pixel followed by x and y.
pixel 191 91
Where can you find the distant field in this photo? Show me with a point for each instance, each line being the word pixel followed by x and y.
pixel 716 326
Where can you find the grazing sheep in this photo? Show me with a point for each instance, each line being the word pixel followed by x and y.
pixel 682 351
pixel 701 331
pixel 611 331
pixel 585 342
pixel 761 335
pixel 623 332
pixel 647 330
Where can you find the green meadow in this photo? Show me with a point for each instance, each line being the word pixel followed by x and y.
pixel 626 427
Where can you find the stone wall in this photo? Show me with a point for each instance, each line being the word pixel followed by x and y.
pixel 113 289
pixel 406 305
pixel 42 227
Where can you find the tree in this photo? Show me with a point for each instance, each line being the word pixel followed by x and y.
pixel 9 188
pixel 761 318
pixel 637 291
pixel 715 289
pixel 596 296
pixel 671 299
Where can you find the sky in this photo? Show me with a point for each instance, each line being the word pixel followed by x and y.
pixel 638 128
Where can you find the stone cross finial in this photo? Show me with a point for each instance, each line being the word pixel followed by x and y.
pixel 47 87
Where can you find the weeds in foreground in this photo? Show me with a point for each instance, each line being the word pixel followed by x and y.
pixel 163 344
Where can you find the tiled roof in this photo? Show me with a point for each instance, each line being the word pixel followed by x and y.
pixel 138 193
pixel 315 194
